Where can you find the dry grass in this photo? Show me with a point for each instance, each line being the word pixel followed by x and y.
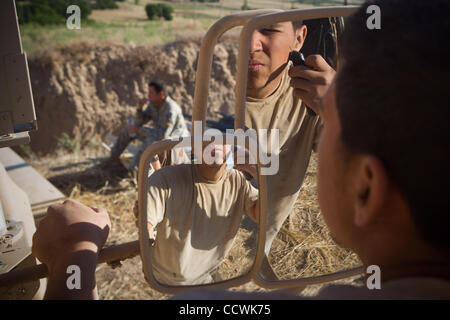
pixel 302 249
pixel 241 256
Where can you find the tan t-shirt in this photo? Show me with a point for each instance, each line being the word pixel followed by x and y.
pixel 298 133
pixel 196 221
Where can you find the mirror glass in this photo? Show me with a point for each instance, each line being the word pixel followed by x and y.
pixel 202 215
pixel 298 242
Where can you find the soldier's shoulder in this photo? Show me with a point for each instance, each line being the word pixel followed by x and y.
pixel 176 170
pixel 171 175
pixel 237 175
pixel 173 105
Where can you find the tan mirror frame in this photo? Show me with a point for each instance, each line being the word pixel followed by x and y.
pixel 205 58
pixel 243 56
pixel 145 242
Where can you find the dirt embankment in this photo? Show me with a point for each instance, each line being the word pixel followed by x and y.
pixel 89 89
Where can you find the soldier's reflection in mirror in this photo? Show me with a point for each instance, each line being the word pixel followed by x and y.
pixel 195 211
pixel 284 96
pixel 271 104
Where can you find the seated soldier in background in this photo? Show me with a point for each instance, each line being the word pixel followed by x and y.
pixel 383 178
pixel 168 122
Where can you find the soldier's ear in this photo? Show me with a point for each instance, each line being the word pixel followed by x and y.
pixel 300 35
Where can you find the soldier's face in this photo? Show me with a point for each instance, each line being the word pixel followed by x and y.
pixel 154 96
pixel 215 153
pixel 269 53
pixel 334 174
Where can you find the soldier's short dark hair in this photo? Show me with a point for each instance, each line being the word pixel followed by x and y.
pixel 157 85
pixel 297 24
pixel 392 100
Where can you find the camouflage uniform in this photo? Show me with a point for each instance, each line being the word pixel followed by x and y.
pixel 168 122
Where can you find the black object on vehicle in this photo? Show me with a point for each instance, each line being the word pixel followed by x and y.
pixel 322 39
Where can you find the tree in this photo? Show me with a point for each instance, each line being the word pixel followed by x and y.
pixel 153 11
pixel 166 11
pixel 48 11
pixel 158 10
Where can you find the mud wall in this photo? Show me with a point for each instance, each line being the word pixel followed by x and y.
pixel 89 89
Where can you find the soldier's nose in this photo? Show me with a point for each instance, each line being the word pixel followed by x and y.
pixel 255 42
